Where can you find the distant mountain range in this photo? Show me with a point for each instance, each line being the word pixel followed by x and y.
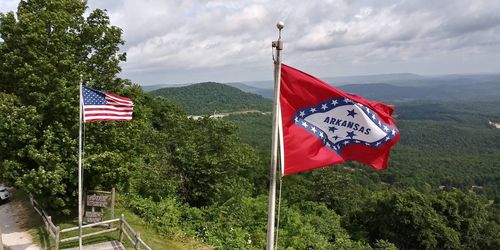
pixel 398 87
pixel 438 91
pixel 250 86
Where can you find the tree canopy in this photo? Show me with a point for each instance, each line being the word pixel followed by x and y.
pixel 46 46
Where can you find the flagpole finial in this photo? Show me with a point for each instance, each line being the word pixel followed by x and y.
pixel 278 44
pixel 280 25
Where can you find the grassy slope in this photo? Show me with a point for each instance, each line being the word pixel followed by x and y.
pixel 36 227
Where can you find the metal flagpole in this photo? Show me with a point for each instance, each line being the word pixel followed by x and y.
pixel 274 151
pixel 80 170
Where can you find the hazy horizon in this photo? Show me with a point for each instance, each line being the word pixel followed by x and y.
pixel 339 76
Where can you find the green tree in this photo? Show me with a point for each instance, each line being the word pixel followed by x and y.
pixel 18 126
pixel 214 165
pixel 311 225
pixel 46 46
pixel 466 213
pixel 407 219
pixel 338 190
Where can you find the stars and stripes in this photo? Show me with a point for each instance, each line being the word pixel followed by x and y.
pixel 99 106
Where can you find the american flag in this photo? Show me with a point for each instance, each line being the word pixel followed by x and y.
pixel 99 106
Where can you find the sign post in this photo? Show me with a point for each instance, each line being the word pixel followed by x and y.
pixel 99 199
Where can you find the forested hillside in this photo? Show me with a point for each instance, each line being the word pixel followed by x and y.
pixel 207 179
pixel 209 97
pixel 442 144
pixel 447 151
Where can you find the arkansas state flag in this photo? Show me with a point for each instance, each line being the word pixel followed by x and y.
pixel 322 125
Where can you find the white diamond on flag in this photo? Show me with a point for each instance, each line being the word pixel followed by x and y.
pixel 344 123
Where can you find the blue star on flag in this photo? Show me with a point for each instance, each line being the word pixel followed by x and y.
pixel 332 129
pixel 351 134
pixel 351 113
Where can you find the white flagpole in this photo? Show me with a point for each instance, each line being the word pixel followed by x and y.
pixel 274 151
pixel 80 170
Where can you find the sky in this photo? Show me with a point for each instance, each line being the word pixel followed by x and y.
pixel 175 42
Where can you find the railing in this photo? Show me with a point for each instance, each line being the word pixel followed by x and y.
pixel 125 229
pixel 53 230
pixel 89 234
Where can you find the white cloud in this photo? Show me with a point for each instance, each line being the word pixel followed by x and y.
pixel 194 40
pixel 8 5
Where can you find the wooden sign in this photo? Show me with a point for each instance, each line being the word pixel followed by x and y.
pixel 93 217
pixel 97 200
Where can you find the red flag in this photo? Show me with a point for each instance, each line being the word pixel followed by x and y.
pixel 323 125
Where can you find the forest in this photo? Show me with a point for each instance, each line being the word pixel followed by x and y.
pixel 209 97
pixel 207 179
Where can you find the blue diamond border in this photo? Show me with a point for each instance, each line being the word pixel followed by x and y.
pixel 300 115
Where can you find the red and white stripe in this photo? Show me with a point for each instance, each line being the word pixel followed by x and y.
pixel 118 108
